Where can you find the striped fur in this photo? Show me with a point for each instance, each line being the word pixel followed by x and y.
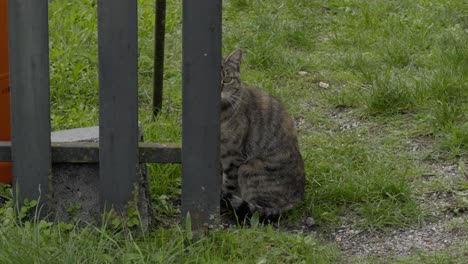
pixel 263 170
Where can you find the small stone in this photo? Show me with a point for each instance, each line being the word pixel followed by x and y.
pixel 324 85
pixel 310 222
pixel 302 73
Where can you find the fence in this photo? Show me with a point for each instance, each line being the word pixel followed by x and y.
pixel 118 151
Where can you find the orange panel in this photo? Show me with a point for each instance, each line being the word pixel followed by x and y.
pixel 5 130
pixel 3 40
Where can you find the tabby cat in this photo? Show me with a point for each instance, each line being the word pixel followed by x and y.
pixel 263 170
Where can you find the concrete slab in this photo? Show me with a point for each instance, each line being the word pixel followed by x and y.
pixel 90 134
pixel 75 187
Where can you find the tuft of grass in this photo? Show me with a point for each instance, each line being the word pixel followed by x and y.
pixel 347 176
pixel 389 95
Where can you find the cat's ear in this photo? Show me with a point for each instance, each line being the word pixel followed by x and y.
pixel 235 58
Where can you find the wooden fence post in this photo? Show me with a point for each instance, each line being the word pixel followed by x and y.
pixel 118 101
pixel 201 111
pixel 30 109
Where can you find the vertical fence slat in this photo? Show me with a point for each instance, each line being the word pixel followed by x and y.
pixel 201 108
pixel 118 106
pixel 30 109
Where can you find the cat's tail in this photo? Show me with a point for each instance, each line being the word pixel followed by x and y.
pixel 245 209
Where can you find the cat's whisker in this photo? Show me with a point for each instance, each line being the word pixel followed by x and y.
pixel 235 101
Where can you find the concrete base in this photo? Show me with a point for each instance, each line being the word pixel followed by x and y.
pixel 75 187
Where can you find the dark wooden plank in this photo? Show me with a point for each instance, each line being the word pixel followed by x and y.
pixel 30 110
pixel 159 35
pixel 88 152
pixel 75 152
pixel 159 153
pixel 5 151
pixel 201 108
pixel 118 95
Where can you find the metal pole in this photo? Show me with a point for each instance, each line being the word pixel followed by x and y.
pixel 159 33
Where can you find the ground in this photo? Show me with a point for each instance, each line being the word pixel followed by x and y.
pixel 379 94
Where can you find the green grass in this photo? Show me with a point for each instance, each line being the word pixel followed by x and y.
pixel 397 71
pixel 44 242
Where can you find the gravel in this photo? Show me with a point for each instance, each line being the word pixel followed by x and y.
pixel 401 242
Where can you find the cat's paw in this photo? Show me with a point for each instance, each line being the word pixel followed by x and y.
pixel 236 201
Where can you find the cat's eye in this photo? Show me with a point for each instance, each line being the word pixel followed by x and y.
pixel 228 80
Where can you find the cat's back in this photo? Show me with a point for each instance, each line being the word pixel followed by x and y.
pixel 271 126
pixel 273 140
pixel 268 111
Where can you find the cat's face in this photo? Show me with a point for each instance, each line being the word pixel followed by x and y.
pixel 230 77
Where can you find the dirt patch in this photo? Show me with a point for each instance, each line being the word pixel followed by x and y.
pixel 448 218
pixel 438 235
pixel 445 170
pixel 344 117
pixel 401 242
